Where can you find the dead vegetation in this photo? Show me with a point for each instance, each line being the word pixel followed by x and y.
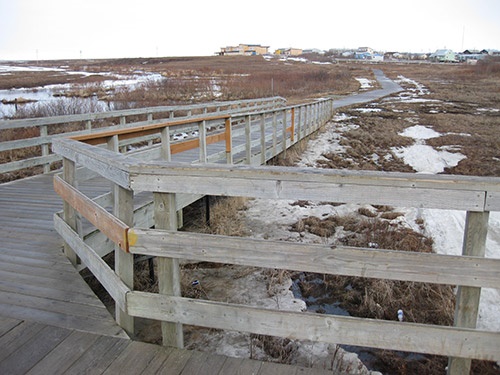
pixel 464 110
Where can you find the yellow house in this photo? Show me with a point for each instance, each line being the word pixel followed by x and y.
pixel 288 51
pixel 245 49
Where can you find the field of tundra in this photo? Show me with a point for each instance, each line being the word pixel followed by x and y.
pixel 444 121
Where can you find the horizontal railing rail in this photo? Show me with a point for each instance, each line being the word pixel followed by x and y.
pixel 35 135
pixel 153 232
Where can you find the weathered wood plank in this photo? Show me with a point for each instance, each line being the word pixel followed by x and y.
pixel 220 107
pixel 176 362
pixel 398 189
pixel 6 324
pixel 240 366
pixel 21 361
pixel 100 137
pixel 269 368
pixel 97 159
pixel 34 272
pixel 340 260
pixel 467 304
pixel 6 257
pixel 38 290
pixel 123 209
pixel 156 364
pixel 169 278
pixel 133 359
pixel 411 337
pixel 106 276
pixel 28 163
pixel 58 319
pixel 58 306
pixel 98 358
pixel 202 363
pixel 114 228
pixel 65 354
pixel 17 337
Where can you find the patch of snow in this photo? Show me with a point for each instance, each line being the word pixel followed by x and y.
pixel 368 110
pixel 425 159
pixel 342 117
pixel 493 110
pixel 420 132
pixel 365 83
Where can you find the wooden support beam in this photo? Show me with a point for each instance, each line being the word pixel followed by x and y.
pixel 467 305
pixel 123 209
pixel 115 229
pixel 168 268
pixel 229 141
pixel 374 333
pixel 337 260
pixel 69 171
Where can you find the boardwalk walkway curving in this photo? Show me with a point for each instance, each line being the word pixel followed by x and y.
pixel 52 322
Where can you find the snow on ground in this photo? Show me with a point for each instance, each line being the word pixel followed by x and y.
pixel 365 83
pixel 271 218
pixel 423 158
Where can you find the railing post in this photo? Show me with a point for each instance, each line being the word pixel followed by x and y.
pixel 467 304
pixel 263 139
pixel 284 132
pixel 88 125
pixel 202 134
pixel 165 144
pixel 306 120
pixel 45 147
pixel 248 140
pixel 229 141
pixel 299 124
pixel 292 126
pixel 275 134
pixel 168 269
pixel 69 213
pixel 123 209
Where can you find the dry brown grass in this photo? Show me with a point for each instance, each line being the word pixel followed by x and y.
pixel 467 113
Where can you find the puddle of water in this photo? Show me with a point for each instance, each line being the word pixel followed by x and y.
pixel 52 93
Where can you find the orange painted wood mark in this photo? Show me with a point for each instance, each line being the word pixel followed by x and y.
pixel 112 227
pixel 194 143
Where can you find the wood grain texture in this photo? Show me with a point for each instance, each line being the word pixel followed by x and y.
pixel 448 341
pixel 340 260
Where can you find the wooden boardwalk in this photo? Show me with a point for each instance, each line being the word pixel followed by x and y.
pixel 32 348
pixel 51 322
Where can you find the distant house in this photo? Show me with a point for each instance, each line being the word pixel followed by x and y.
pixel 313 50
pixel 244 49
pixel 288 51
pixel 472 56
pixel 365 50
pixel 443 55
pixel 367 53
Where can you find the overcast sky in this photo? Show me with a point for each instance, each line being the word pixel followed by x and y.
pixel 57 29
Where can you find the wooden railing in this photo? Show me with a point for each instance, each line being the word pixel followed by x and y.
pixel 38 133
pixel 130 229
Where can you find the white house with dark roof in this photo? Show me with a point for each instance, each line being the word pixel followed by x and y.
pixel 443 55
